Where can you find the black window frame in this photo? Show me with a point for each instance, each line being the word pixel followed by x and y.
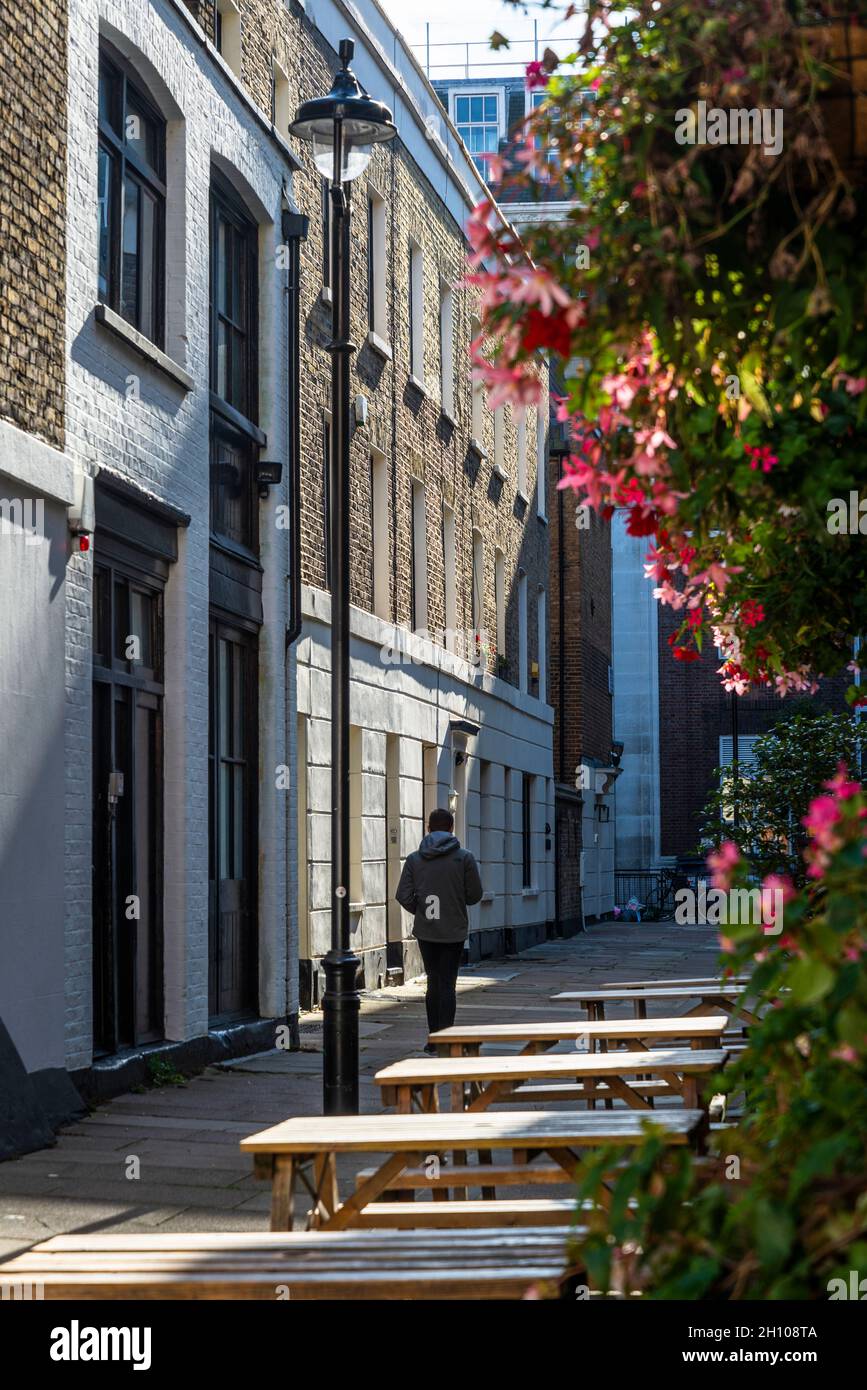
pixel 127 163
pixel 371 265
pixel 527 829
pixel 234 418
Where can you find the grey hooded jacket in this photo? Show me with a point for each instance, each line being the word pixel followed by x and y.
pixel 439 882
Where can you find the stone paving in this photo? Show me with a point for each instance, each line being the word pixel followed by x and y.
pixel 192 1175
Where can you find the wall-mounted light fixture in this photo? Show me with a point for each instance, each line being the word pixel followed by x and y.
pixel 268 474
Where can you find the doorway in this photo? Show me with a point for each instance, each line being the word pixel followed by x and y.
pixel 127 804
pixel 232 908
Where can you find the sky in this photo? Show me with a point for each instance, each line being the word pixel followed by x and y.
pixel 458 22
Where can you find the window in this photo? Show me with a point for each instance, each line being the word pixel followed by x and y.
pixel 449 572
pixel 541 461
pixel 521 432
pixel 500 441
pixel 419 557
pixel 376 267
pixel 542 642
pixel 478 423
pixel 131 199
pixel 227 31
pixel 522 631
pixel 447 350
pixel 527 829
pixel 281 102
pixel 477 117
pixel 233 369
pixel 746 764
pixel 356 814
pixel 500 596
pixel 416 312
pixel 379 557
pixel 478 593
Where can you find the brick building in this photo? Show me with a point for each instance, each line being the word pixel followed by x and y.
pixel 449 586
pixel 165 832
pixel 487 111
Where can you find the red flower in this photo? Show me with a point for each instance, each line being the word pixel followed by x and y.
pixel 547 331
pixel 752 612
pixel 641 523
pixel 684 653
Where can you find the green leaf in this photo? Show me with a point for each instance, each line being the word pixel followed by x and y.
pixel 810 980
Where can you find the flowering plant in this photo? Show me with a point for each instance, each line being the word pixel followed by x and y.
pixel 707 302
pixel 778 1209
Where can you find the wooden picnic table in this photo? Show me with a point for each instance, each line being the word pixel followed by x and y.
pixel 467 1039
pixel 303 1151
pixel 713 999
pixel 477 1082
pixel 723 980
pixel 300 1266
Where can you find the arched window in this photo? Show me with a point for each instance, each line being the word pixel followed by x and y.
pixel 131 199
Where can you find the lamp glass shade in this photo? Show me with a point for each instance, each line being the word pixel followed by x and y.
pixel 355 156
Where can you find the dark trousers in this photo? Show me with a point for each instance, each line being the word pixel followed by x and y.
pixel 441 961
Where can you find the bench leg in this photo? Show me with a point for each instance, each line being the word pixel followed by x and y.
pixel 489 1194
pixel 282 1191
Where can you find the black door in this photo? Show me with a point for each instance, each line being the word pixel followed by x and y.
pixel 232 912
pixel 127 807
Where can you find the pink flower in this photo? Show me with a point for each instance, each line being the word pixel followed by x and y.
pixel 721 864
pixel 845 1053
pixel 839 785
pixel 535 76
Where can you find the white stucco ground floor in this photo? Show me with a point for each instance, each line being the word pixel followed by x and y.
pixel 427 729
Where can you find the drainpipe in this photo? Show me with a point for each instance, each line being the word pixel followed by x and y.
pixel 294 228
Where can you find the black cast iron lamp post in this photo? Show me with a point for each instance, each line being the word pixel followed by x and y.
pixel 342 129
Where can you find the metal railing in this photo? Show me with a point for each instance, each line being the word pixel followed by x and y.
pixel 530 50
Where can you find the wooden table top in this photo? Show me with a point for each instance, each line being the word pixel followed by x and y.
pixel 487 1129
pixel 711 1026
pixel 432 1070
pixel 713 991
pixel 704 980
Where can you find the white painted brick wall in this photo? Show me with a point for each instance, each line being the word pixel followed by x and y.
pixel 160 441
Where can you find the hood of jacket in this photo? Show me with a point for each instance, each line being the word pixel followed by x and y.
pixel 437 843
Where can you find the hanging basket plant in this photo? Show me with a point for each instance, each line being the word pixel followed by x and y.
pixel 707 296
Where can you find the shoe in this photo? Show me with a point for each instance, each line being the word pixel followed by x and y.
pixel 430 1051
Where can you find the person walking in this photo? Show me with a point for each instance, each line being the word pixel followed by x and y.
pixel 440 880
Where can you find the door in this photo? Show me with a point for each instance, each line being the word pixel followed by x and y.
pixel 232 818
pixel 127 809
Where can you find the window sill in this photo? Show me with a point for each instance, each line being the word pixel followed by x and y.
pixel 447 415
pixel 530 892
pixel 478 448
pixel 143 346
pixel 522 497
pixel 419 385
pixel 500 471
pixel 379 346
pixel 325 296
pixel 541 518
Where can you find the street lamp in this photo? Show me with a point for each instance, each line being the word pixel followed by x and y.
pixel 342 128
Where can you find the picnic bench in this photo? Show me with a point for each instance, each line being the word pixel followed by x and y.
pixel 299 1266
pixel 302 1152
pixel 713 999
pixel 477 1082
pixel 467 1040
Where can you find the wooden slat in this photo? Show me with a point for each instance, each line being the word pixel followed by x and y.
pixel 469 1175
pixel 728 992
pixel 711 981
pixel 419 1263
pixel 711 1026
pixel 530 1211
pixel 389 1133
pixel 444 1070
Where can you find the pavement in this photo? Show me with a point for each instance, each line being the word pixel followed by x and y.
pixel 167 1158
